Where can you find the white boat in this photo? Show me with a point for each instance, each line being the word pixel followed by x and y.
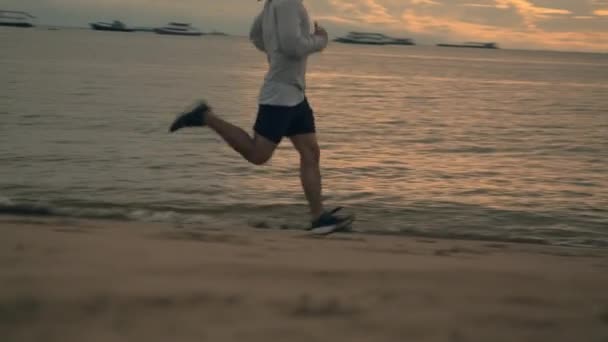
pixel 16 19
pixel 178 29
pixel 372 38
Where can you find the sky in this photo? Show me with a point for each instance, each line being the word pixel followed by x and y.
pixel 570 25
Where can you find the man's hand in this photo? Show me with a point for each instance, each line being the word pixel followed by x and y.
pixel 320 32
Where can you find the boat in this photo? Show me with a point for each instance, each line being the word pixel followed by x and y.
pixel 116 25
pixel 178 29
pixel 474 45
pixel 16 19
pixel 372 38
pixel 402 41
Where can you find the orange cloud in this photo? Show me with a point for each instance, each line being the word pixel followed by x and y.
pixel 529 12
pixel 377 13
pixel 336 19
pixel 425 2
pixel 456 29
pixel 479 5
pixel 365 11
pixel 416 16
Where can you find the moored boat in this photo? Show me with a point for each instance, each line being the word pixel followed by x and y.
pixel 116 25
pixel 178 29
pixel 16 19
pixel 474 45
pixel 372 38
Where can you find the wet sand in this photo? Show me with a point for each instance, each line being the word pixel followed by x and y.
pixel 79 280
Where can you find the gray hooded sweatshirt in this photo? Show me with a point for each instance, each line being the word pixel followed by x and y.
pixel 283 32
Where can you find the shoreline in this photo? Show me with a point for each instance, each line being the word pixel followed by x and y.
pixel 473 231
pixel 73 280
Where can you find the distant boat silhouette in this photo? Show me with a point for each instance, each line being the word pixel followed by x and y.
pixel 372 38
pixel 16 19
pixel 178 29
pixel 116 25
pixel 474 45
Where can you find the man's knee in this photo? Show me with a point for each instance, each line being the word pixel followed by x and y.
pixel 259 158
pixel 262 151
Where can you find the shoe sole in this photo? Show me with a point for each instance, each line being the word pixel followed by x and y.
pixel 173 128
pixel 326 230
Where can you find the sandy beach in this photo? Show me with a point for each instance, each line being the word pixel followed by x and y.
pixel 78 280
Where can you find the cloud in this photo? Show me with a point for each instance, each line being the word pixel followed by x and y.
pixel 365 11
pixel 558 24
pixel 511 36
pixel 336 19
pixel 531 13
pixel 425 2
pixel 377 14
pixel 478 5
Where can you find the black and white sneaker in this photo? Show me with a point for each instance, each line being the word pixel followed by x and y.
pixel 192 118
pixel 331 222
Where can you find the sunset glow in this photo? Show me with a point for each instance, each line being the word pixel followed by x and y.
pixel 531 24
pixel 513 23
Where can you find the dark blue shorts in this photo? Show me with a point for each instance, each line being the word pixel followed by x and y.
pixel 276 122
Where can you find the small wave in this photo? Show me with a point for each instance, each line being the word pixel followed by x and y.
pixel 426 141
pixel 105 211
pixel 474 192
pixel 10 207
pixel 5 201
pixel 583 149
pixel 25 209
pixel 470 149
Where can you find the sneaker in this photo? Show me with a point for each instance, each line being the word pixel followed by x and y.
pixel 330 222
pixel 192 118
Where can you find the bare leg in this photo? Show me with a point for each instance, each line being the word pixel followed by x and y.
pixel 256 150
pixel 310 171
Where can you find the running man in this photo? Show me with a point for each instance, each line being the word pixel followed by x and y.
pixel 282 31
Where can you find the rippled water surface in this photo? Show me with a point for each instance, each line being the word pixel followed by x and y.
pixel 506 145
